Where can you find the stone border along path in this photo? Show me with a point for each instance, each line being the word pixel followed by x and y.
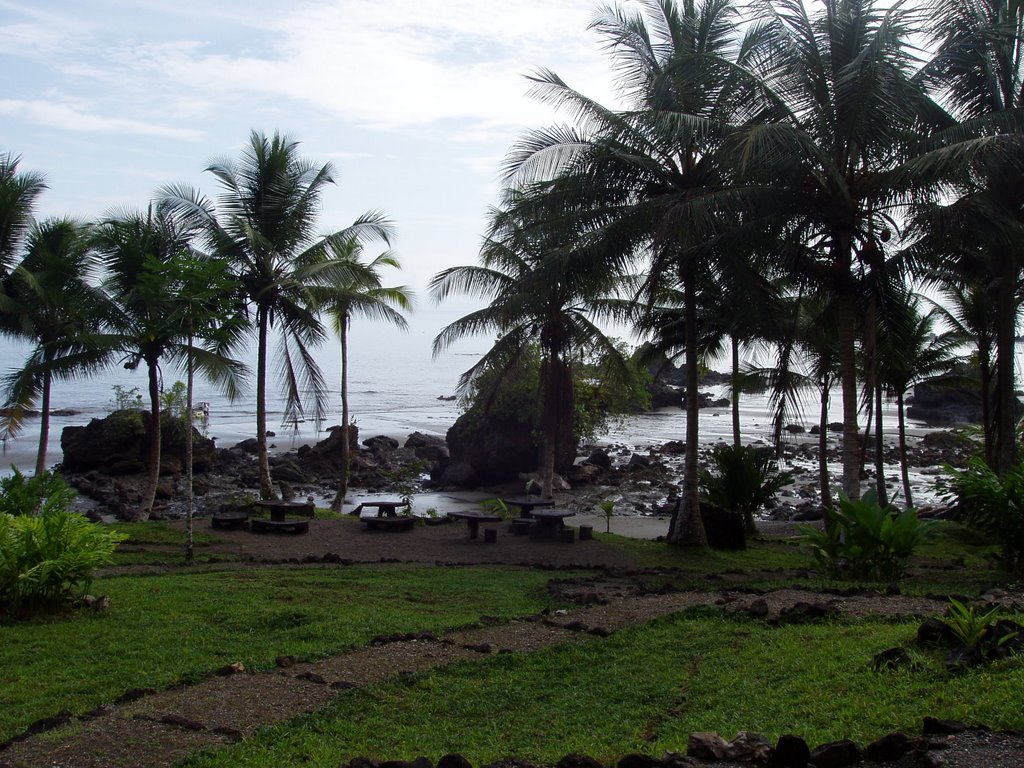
pixel 147 728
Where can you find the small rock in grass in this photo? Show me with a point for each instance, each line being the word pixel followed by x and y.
pixel 453 760
pixel 231 669
pixel 575 760
pixel 636 760
pixel 836 754
pixel 749 748
pixel 790 752
pixel 890 747
pixel 706 745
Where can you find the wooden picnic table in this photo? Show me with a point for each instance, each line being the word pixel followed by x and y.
pixel 473 520
pixel 551 520
pixel 279 510
pixel 384 508
pixel 527 504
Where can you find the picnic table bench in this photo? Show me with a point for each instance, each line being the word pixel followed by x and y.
pixel 384 508
pixel 527 504
pixel 229 520
pixel 262 525
pixel 549 522
pixel 279 510
pixel 395 523
pixel 473 520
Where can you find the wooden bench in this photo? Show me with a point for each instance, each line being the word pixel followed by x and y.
pixel 262 525
pixel 400 523
pixel 520 526
pixel 229 521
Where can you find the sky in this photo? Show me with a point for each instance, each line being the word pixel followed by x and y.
pixel 414 102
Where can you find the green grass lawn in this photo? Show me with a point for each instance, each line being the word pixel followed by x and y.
pixel 177 627
pixel 644 690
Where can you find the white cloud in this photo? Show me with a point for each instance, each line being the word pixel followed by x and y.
pixel 65 116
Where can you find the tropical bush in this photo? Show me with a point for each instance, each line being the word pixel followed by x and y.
pixel 865 540
pixel 47 553
pixel 993 505
pixel 974 630
pixel 743 479
pixel 40 494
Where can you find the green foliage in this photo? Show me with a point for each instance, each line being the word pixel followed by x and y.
pixel 46 560
pixel 864 540
pixel 497 507
pixel 175 399
pixel 40 494
pixel 743 478
pixel 405 480
pixel 127 398
pixel 608 509
pixel 993 505
pixel 974 630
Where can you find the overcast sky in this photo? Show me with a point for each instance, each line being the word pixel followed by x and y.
pixel 415 102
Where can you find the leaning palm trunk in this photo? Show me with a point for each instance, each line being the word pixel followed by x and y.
pixel 735 391
pixel 44 422
pixel 266 485
pixel 1005 437
pixel 823 479
pixel 189 497
pixel 904 472
pixel 847 317
pixel 154 443
pixel 687 526
pixel 346 449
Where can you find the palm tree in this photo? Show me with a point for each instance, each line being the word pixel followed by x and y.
pixel 263 225
pixel 979 70
pixel 541 291
pixel 359 293
pixel 650 182
pixel 135 249
pixel 53 304
pixel 909 351
pixel 833 169
pixel 18 193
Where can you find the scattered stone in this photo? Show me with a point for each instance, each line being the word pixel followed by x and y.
pixel 636 760
pixel 705 745
pixel 343 685
pixel 285 661
pixel 453 760
pixel 575 760
pixel 893 659
pixel 836 754
pixel 890 747
pixel 231 669
pixel 934 631
pixel 749 747
pixel 936 726
pixel 226 730
pixel 790 752
pixel 758 608
pixel 182 722
pixel 312 677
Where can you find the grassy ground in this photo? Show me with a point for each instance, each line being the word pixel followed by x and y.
pixel 169 628
pixel 646 689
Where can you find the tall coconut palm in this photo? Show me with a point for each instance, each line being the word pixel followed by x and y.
pixel 541 291
pixel 979 70
pixel 834 168
pixel 909 351
pixel 648 181
pixel 264 225
pixel 18 193
pixel 54 305
pixel 134 248
pixel 358 292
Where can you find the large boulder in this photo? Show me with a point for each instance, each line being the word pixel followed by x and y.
pixel 488 451
pixel 946 400
pixel 118 444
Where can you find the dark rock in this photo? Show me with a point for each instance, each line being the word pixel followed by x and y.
pixel 934 726
pixel 749 747
pixel 758 608
pixel 381 443
pixel 179 721
pixel 600 458
pixel 249 445
pixel 287 471
pixel 362 762
pixel 836 754
pixel 636 760
pixel 674 447
pixel 498 451
pixel 638 460
pixel 578 761
pixel 835 426
pixel 704 745
pixel 935 632
pixel 962 658
pixel 890 747
pixel 790 752
pixel 428 447
pixel 724 528
pixel 795 429
pixel 803 611
pixel 946 400
pixel 453 760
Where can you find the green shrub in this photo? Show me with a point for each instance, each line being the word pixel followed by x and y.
pixel 743 479
pixel 864 540
pixel 47 554
pixel 41 494
pixel 973 630
pixel 994 506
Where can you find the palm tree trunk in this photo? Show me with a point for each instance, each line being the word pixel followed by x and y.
pixel 346 448
pixel 847 321
pixel 687 525
pixel 1005 442
pixel 883 495
pixel 904 472
pixel 988 427
pixel 735 391
pixel 189 497
pixel 44 422
pixel 266 484
pixel 823 479
pixel 552 395
pixel 149 496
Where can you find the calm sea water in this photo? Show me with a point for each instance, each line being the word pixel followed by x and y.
pixel 394 389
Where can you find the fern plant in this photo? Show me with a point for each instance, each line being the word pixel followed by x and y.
pixel 993 505
pixel 742 479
